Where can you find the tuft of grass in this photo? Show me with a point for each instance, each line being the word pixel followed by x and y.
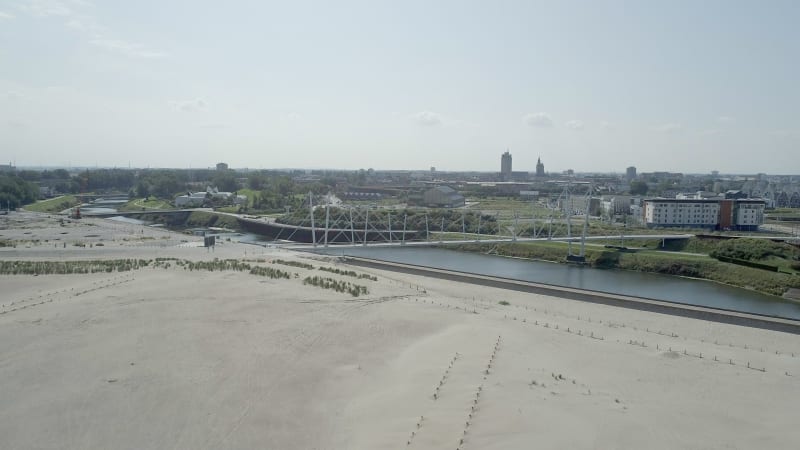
pixel 503 302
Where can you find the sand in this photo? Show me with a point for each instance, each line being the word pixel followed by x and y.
pixel 169 358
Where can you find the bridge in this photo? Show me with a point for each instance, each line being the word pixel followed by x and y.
pixel 349 227
pixel 105 214
pixel 484 239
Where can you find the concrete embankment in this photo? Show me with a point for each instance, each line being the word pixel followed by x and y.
pixel 638 303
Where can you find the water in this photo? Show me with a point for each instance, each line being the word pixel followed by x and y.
pixel 97 210
pixel 655 286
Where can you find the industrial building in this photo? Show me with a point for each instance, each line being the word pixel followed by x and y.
pixel 716 214
pixel 442 197
pixel 196 199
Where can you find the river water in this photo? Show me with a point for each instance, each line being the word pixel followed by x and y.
pixel 655 286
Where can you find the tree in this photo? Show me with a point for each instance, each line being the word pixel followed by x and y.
pixel 226 181
pixel 15 192
pixel 638 187
pixel 142 189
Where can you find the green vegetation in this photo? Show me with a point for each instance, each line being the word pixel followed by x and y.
pixel 758 253
pixel 773 283
pixel 293 264
pixel 70 267
pixel 139 204
pixel 638 187
pixel 339 286
pixel 193 219
pixel 203 219
pixel 784 214
pixel 15 191
pixel 754 249
pixel 232 264
pixel 503 302
pixel 54 205
pixel 688 265
pixel 267 191
pixel 269 272
pixel 349 273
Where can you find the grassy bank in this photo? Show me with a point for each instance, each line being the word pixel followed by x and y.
pixel 54 205
pixel 193 219
pixel 201 219
pixel 140 204
pixel 695 266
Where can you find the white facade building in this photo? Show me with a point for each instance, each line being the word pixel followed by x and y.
pixel 190 199
pixel 750 214
pixel 681 213
pixel 725 214
pixel 195 199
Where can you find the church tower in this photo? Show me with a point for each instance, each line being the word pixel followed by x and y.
pixel 539 167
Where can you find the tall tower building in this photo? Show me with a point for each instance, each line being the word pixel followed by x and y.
pixel 505 165
pixel 630 173
pixel 539 168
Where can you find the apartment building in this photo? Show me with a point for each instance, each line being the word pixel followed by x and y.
pixel 715 214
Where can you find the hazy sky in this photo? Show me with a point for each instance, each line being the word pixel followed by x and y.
pixel 688 86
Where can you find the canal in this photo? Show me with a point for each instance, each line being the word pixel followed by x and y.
pixel 655 286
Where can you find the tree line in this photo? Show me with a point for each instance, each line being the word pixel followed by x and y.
pixel 15 191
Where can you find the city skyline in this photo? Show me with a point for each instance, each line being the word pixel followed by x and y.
pixel 588 86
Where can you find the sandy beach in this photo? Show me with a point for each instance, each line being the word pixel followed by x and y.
pixel 165 357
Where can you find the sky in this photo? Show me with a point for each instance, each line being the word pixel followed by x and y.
pixel 593 86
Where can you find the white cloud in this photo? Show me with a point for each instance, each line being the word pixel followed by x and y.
pixel 540 119
pixel 606 125
pixel 428 118
pixel 725 119
pixel 77 17
pixel 575 125
pixel 5 15
pixel 709 132
pixel 127 48
pixel 46 8
pixel 669 128
pixel 188 106
pixel 13 95
pixel 293 116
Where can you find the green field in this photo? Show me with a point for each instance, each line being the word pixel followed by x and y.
pixel 140 204
pixel 54 205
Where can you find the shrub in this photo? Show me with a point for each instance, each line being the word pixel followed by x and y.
pixel 339 286
pixel 293 264
pixel 751 249
pixel 349 273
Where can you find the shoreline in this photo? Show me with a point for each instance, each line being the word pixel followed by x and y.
pixel 719 315
pixel 709 280
pixel 744 287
